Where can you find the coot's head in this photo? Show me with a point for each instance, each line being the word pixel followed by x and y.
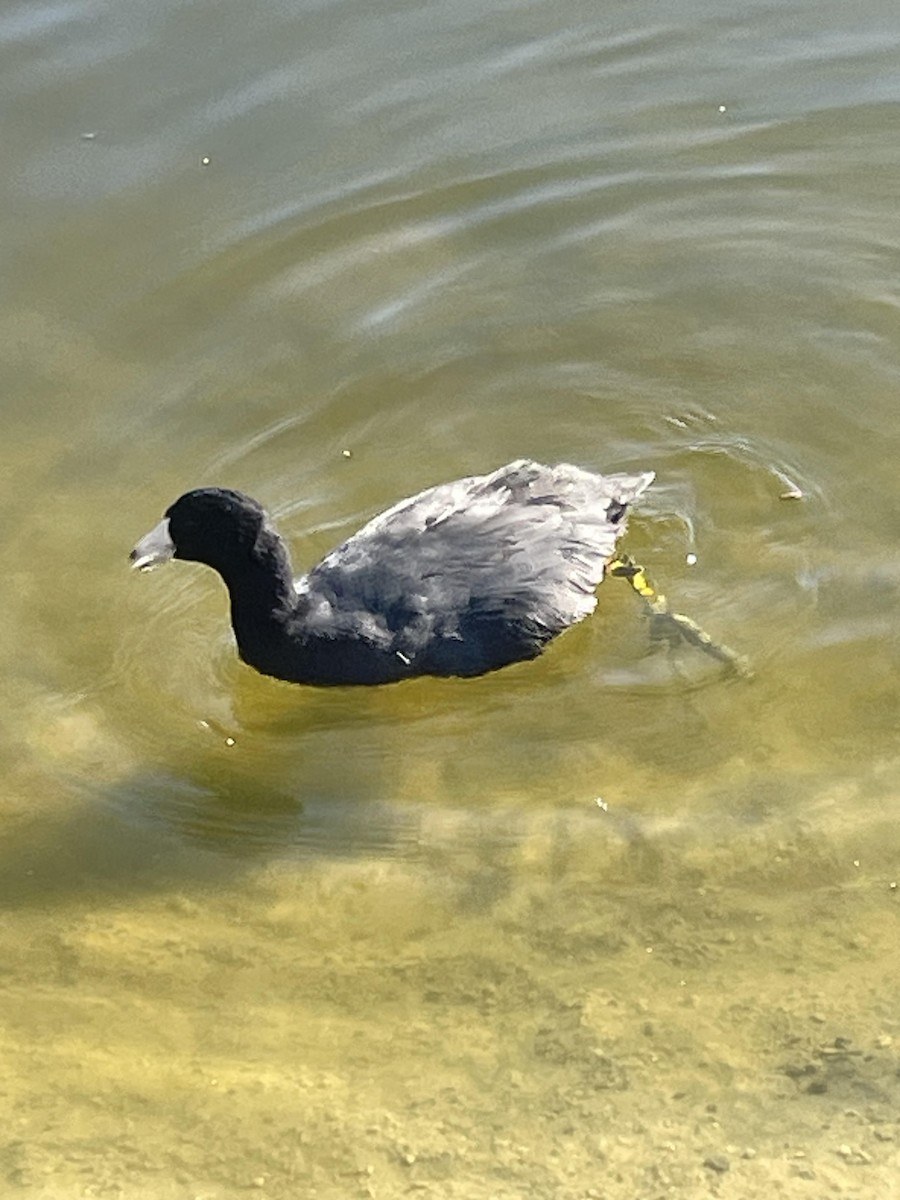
pixel 215 526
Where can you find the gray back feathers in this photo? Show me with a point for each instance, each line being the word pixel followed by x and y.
pixel 526 543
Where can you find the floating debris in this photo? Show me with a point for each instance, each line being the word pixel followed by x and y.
pixel 205 160
pixel 691 560
pixel 792 491
pixel 347 453
pixel 212 726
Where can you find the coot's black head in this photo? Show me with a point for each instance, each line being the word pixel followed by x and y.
pixel 207 521
pixel 216 526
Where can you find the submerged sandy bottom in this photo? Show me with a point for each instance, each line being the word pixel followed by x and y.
pixel 579 1013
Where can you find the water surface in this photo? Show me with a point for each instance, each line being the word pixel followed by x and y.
pixel 614 923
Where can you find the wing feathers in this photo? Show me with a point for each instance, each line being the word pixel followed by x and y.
pixel 527 543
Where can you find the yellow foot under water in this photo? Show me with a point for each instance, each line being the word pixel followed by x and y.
pixel 676 626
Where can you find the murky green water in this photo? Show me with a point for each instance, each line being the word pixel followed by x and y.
pixel 386 942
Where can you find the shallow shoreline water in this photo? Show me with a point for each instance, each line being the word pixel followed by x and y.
pixel 609 924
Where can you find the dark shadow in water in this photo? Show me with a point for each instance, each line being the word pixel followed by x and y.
pixel 90 855
pixel 166 832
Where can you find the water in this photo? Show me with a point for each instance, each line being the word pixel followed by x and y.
pixel 388 942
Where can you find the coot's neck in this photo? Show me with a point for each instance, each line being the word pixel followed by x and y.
pixel 262 598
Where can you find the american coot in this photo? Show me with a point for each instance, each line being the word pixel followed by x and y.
pixel 459 580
